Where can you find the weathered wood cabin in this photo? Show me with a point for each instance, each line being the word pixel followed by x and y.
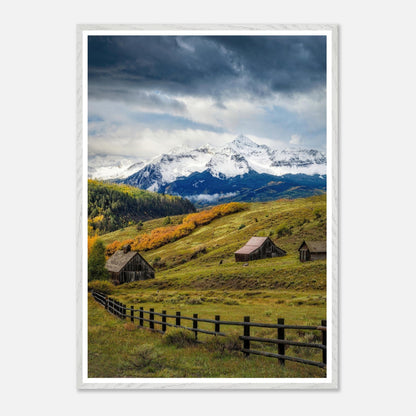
pixel 127 266
pixel 312 250
pixel 258 248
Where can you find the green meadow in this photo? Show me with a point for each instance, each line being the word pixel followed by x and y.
pixel 198 274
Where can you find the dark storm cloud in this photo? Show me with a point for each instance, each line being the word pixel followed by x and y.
pixel 216 66
pixel 135 96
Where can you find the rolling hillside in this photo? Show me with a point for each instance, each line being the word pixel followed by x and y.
pixel 193 262
pixel 197 274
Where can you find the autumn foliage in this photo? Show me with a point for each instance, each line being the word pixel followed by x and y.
pixel 164 235
pixel 91 242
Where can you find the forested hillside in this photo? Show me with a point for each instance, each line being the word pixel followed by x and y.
pixel 112 206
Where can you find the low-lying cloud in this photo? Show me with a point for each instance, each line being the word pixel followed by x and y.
pixel 210 197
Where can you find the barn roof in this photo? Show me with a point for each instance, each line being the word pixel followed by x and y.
pixel 315 246
pixel 253 244
pixel 118 260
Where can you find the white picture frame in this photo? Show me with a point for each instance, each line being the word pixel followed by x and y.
pixel 331 381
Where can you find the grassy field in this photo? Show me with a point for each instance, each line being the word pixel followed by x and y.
pixel 194 261
pixel 116 348
pixel 198 274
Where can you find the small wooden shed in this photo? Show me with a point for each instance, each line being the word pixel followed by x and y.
pixel 258 248
pixel 312 250
pixel 128 266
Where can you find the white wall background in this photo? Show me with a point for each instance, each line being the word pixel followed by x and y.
pixel 377 118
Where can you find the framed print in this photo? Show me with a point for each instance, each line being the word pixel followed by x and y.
pixel 207 206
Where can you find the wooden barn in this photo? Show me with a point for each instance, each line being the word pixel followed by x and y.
pixel 312 250
pixel 127 266
pixel 258 248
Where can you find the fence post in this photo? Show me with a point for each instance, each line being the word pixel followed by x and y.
pixel 106 304
pixel 110 305
pixel 246 343
pixel 164 321
pixel 195 325
pixel 323 323
pixel 151 317
pixel 141 316
pixel 281 335
pixel 132 313
pixel 124 311
pixel 178 318
pixel 217 325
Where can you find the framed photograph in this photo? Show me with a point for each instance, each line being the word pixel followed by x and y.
pixel 207 206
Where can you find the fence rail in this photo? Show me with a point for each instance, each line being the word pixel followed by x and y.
pixel 122 311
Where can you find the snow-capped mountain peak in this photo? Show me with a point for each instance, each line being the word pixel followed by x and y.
pixel 227 164
pixel 180 149
pixel 234 159
pixel 242 142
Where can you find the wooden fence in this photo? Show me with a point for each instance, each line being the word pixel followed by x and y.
pixel 122 311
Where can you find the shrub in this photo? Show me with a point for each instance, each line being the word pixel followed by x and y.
pixel 178 337
pixel 102 286
pixel 112 248
pixel 283 230
pixel 129 326
pixel 302 221
pixel 156 261
pixel 318 212
pixel 167 221
pixel 144 355
pixel 194 301
pixel 241 226
pixel 198 250
pixel 230 302
pixel 221 344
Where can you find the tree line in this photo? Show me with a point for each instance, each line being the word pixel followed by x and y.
pixel 113 206
pixel 169 233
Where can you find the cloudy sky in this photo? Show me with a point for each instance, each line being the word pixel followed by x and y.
pixel 147 94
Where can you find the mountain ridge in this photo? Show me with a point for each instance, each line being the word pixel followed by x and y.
pixel 240 170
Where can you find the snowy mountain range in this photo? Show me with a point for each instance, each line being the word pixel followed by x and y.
pixel 239 170
pixel 112 167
